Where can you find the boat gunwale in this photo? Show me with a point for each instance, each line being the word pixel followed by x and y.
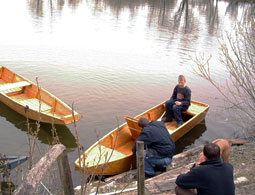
pixel 205 110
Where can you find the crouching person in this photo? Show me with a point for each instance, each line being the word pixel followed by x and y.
pixel 211 177
pixel 158 144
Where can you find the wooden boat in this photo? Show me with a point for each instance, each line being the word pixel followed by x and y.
pixel 11 162
pixel 112 154
pixel 19 93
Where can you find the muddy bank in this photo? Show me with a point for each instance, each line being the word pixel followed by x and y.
pixel 242 158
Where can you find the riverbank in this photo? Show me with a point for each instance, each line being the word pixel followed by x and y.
pixel 242 158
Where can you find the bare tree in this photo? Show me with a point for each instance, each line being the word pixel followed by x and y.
pixel 237 54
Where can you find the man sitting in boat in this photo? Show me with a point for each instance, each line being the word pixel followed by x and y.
pixel 158 144
pixel 179 101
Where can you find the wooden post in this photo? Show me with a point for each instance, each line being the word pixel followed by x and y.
pixel 65 174
pixel 140 167
pixel 36 174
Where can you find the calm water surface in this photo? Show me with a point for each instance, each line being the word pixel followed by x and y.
pixel 111 58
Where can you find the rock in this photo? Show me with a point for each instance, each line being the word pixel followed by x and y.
pixel 241 180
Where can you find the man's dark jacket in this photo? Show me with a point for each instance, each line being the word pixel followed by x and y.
pixel 157 140
pixel 212 177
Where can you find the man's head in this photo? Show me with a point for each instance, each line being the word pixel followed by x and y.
pixel 181 80
pixel 143 122
pixel 211 151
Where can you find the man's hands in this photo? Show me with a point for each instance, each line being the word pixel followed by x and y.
pixel 178 103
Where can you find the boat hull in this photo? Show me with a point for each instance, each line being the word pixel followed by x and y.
pixel 112 154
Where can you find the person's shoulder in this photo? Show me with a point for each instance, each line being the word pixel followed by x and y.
pixel 187 87
pixel 198 170
pixel 156 123
pixel 150 125
pixel 200 167
pixel 176 87
pixel 227 164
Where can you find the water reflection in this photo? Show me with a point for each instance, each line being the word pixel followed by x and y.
pixel 183 14
pixel 178 28
pixel 45 134
pixel 173 14
pixel 211 10
pixel 38 7
pixel 190 137
pixel 244 8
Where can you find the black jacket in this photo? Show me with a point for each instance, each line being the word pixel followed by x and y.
pixel 212 177
pixel 157 140
pixel 182 94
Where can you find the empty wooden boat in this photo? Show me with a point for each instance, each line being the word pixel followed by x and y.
pixel 19 93
pixel 112 154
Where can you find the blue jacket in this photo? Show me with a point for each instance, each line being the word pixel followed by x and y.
pixel 157 140
pixel 212 177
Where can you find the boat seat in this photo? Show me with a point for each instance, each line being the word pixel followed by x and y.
pixel 133 127
pixel 13 87
pixel 33 104
pixel 193 110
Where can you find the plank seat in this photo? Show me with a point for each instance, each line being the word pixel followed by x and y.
pixel 194 109
pixel 13 87
pixel 133 127
pixel 33 104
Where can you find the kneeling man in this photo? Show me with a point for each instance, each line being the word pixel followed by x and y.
pixel 158 144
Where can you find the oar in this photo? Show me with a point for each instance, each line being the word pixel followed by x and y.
pixel 159 119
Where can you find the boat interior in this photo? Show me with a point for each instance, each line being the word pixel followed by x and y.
pixel 116 145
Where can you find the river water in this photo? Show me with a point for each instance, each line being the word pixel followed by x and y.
pixel 112 58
